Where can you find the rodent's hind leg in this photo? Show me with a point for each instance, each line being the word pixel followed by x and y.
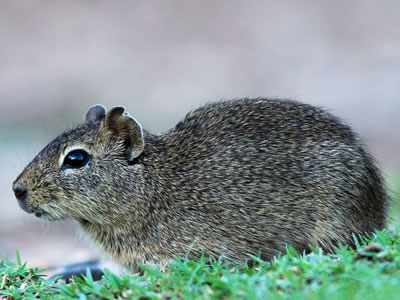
pixel 68 272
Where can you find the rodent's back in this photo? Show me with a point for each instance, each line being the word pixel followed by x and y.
pixel 270 172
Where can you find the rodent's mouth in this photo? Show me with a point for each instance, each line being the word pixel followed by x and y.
pixel 44 215
pixel 39 214
pixel 83 222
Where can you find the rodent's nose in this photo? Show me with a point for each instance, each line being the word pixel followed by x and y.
pixel 20 192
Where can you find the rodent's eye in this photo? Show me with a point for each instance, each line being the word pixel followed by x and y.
pixel 76 159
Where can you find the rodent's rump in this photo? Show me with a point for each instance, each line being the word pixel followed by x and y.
pixel 233 178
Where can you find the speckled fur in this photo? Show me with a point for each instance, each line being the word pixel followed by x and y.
pixel 233 178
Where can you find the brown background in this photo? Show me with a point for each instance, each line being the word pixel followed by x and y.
pixel 163 58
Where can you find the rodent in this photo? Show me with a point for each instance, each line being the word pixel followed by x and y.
pixel 239 177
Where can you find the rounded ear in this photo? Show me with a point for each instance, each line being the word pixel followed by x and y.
pixel 96 113
pixel 125 128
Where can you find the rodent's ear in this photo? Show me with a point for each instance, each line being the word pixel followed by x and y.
pixel 125 128
pixel 96 113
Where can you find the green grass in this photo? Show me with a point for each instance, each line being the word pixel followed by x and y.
pixel 347 274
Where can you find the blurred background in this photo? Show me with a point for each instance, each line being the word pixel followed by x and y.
pixel 162 58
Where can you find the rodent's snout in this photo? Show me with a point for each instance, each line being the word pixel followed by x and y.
pixel 20 192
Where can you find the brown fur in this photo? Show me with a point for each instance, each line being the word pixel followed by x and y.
pixel 233 178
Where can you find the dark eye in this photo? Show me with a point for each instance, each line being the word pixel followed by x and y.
pixel 76 159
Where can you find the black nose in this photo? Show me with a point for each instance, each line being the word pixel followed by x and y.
pixel 20 192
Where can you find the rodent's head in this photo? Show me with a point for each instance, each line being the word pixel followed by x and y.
pixel 82 173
